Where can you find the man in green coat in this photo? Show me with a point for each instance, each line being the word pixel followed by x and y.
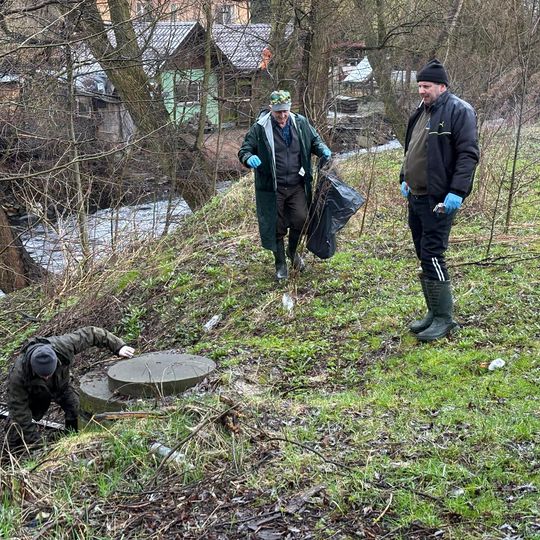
pixel 40 375
pixel 279 147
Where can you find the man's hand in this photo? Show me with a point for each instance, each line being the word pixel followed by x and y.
pixel 126 352
pixel 325 157
pixel 405 189
pixel 452 202
pixel 253 161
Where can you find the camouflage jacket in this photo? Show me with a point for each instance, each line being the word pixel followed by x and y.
pixel 23 384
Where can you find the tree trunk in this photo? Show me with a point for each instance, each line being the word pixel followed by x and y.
pixel 80 210
pixel 316 64
pixel 283 48
pixel 17 269
pixel 377 43
pixel 123 66
pixel 207 10
pixel 393 112
pixel 446 33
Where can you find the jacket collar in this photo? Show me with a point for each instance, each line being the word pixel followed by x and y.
pixel 439 102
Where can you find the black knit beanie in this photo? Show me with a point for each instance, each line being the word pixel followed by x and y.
pixel 433 72
pixel 43 360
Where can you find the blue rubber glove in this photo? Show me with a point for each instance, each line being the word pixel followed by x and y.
pixel 452 202
pixel 405 189
pixel 253 161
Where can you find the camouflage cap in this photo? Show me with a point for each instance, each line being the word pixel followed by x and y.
pixel 280 100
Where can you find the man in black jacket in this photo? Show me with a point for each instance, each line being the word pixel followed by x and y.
pixel 40 375
pixel 441 154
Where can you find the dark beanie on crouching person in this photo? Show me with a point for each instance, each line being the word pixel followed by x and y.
pixel 43 360
pixel 433 72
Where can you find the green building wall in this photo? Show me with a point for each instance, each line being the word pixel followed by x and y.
pixel 182 112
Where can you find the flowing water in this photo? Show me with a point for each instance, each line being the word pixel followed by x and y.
pixel 57 246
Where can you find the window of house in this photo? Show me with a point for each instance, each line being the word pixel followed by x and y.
pixel 225 14
pixel 84 106
pixel 187 91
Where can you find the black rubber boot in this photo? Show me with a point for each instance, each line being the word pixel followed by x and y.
pixel 440 300
pixel 417 326
pixel 281 262
pixel 297 261
pixel 72 424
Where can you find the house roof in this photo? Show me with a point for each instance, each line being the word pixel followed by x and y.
pixel 158 42
pixel 11 78
pixel 242 44
pixel 359 73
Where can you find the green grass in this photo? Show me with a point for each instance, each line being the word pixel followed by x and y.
pixel 406 439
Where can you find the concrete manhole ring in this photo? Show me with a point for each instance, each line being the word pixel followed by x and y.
pixel 95 395
pixel 161 373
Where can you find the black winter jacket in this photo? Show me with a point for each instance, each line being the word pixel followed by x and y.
pixel 452 147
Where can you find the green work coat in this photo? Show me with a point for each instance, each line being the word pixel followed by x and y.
pixel 259 141
pixel 24 386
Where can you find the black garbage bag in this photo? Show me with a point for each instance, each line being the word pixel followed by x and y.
pixel 333 205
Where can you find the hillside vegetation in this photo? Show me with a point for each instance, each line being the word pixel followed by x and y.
pixel 327 421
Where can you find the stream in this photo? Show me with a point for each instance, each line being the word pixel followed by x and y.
pixel 57 246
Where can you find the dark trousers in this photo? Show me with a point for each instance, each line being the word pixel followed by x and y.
pixel 430 232
pixel 68 401
pixel 39 403
pixel 292 210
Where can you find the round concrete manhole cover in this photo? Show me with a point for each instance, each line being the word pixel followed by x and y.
pixel 158 374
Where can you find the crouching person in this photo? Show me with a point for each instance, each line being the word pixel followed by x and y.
pixel 40 375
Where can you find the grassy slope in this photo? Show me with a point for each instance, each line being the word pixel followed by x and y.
pixel 394 438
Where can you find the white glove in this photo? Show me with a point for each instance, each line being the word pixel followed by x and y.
pixel 126 352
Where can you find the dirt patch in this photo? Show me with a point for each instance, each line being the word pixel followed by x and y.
pixel 222 150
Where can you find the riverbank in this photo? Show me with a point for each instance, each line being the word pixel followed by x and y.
pixel 327 420
pixel 55 244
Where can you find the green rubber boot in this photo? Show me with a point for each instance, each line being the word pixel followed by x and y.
pixel 440 300
pixel 417 326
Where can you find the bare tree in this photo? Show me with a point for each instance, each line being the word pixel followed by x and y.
pixel 123 64
pixel 525 36
pixel 31 36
